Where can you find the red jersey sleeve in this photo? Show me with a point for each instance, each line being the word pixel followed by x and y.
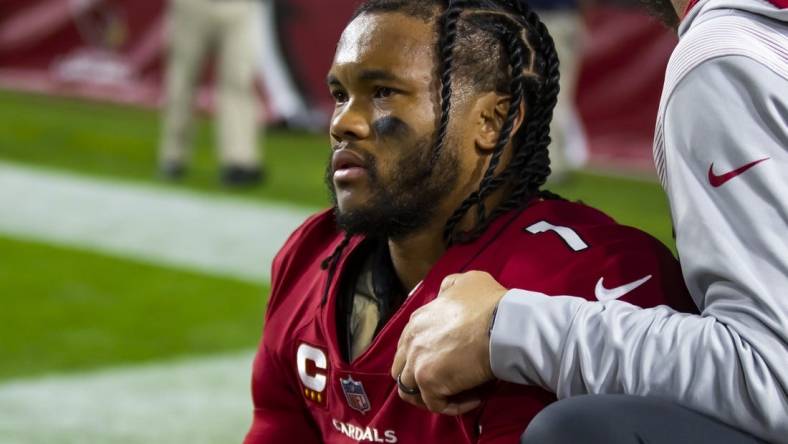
pixel 313 231
pixel 279 413
pixel 633 267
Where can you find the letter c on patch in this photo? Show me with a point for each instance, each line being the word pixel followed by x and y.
pixel 315 381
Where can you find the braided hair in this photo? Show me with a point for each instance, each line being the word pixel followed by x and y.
pixel 502 46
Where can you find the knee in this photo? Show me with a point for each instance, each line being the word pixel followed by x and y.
pixel 570 420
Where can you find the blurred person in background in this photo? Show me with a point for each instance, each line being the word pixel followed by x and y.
pixel 230 29
pixel 564 20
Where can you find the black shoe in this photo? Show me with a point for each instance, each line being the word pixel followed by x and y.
pixel 172 171
pixel 237 176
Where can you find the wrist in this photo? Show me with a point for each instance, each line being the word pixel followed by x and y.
pixel 491 324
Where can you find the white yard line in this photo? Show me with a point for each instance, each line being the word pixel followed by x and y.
pixel 198 401
pixel 214 235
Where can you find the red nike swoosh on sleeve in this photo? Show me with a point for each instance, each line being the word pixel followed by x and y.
pixel 718 180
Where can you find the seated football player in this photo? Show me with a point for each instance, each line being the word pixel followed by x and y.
pixel 439 149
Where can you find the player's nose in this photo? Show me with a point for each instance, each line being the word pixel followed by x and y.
pixel 350 123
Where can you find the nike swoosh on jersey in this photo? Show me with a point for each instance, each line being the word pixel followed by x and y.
pixel 718 180
pixel 604 294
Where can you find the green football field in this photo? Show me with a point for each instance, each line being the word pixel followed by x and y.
pixel 71 310
pixel 67 309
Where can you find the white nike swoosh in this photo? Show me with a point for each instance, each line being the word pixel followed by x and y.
pixel 603 294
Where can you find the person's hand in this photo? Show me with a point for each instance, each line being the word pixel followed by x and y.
pixel 444 350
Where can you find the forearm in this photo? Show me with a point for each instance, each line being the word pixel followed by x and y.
pixel 571 346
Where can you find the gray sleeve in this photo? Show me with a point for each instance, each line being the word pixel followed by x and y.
pixel 730 362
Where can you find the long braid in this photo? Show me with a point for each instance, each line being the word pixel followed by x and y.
pixel 490 182
pixel 332 260
pixel 534 164
pixel 330 263
pixel 448 26
pixel 529 166
pixel 539 165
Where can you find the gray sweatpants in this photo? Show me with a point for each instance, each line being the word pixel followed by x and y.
pixel 619 419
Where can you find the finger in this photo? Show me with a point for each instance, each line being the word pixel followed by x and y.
pixel 448 282
pixel 400 356
pixel 407 379
pixel 434 402
pixel 461 407
pixel 433 393
pixel 414 400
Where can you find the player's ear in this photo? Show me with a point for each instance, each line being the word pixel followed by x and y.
pixel 491 109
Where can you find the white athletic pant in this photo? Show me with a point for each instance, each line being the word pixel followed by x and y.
pixel 231 30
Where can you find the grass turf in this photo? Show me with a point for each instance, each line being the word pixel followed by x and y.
pixel 67 310
pixel 120 142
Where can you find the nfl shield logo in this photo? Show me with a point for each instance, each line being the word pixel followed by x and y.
pixel 355 395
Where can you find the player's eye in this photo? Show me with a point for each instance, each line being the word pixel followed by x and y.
pixel 384 92
pixel 339 96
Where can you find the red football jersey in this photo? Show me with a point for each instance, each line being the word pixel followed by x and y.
pixel 305 392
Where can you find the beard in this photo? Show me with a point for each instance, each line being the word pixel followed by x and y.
pixel 405 203
pixel 662 10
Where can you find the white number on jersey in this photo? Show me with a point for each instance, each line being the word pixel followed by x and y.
pixel 568 235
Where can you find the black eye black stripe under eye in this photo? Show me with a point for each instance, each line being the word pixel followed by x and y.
pixel 390 126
